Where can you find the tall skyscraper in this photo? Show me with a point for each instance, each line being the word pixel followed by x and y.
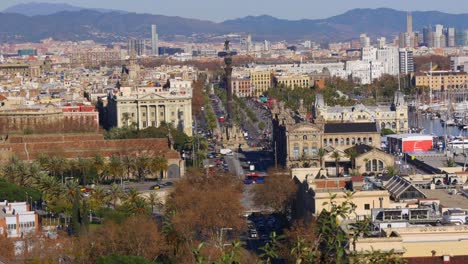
pixel 450 37
pixel 154 40
pixel 428 37
pixel 465 37
pixel 381 42
pixel 439 38
pixel 409 23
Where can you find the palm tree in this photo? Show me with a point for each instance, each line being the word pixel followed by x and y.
pixel 83 167
pixel 153 200
pixel 336 156
pixel 97 198
pixel 100 166
pixel 16 171
pixel 141 165
pixel 352 154
pixel 114 194
pixel 49 186
pixel 128 163
pixel 158 164
pixel 115 167
pixel 321 153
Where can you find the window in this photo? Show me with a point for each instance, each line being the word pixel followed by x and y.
pixel 342 141
pixel 347 141
pixel 366 206
pixel 296 152
pixel 305 152
pixel 325 142
pixel 353 141
pixel 336 141
pixel 304 137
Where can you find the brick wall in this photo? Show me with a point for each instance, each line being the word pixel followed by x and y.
pixel 86 145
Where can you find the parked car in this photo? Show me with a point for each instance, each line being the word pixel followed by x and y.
pixel 155 187
pixel 253 233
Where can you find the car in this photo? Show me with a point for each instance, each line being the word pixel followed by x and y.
pixel 264 236
pixel 248 181
pixel 155 187
pixel 253 233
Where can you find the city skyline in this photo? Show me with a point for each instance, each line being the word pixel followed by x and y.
pixel 222 10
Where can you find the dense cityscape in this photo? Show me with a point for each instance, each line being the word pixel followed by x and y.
pixel 136 142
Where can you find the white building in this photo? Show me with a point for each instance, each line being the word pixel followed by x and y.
pixel 388 56
pixel 16 219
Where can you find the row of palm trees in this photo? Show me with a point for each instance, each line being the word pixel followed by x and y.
pixel 100 169
pixel 58 179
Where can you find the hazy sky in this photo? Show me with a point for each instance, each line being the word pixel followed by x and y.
pixel 219 10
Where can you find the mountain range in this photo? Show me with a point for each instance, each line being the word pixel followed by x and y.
pixel 36 21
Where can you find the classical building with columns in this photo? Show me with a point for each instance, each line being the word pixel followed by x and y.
pixel 150 106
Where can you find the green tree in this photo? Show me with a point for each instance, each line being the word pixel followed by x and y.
pixel 113 195
pixel 336 156
pixel 352 155
pixel 157 165
pixel 321 153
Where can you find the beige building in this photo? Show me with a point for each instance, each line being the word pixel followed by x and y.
pixel 261 80
pixel 303 144
pixel 434 242
pixel 394 117
pixel 293 81
pixel 242 87
pixel 442 80
pixel 150 106
pixel 365 201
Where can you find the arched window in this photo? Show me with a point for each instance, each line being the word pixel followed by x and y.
pixel 364 140
pixel 305 151
pixel 359 140
pixel 370 141
pixel 394 125
pixel 325 142
pixel 382 126
pixel 381 165
pixel 374 165
pixel 336 142
pixel 314 151
pixel 353 141
pixel 330 141
pixel 368 166
pixel 296 151
pixel 304 137
pixel 342 141
pixel 347 141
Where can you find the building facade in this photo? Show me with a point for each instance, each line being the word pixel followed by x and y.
pixel 394 116
pixel 17 220
pixel 242 87
pixel 441 80
pixel 149 107
pixel 261 80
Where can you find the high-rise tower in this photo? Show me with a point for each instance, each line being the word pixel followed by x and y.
pixel 154 40
pixel 409 23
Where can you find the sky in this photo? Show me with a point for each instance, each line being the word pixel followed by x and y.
pixel 220 10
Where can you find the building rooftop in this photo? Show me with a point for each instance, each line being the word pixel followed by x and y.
pixel 448 200
pixel 350 128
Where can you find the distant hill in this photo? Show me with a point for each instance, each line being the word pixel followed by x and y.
pixel 104 26
pixel 44 9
